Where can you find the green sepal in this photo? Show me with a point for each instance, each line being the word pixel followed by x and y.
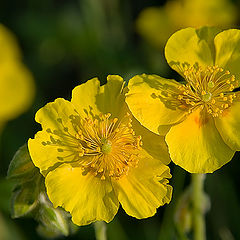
pixel 53 222
pixel 29 197
pixel 25 199
pixel 21 167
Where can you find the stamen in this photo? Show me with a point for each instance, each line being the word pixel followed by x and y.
pixel 103 146
pixel 209 88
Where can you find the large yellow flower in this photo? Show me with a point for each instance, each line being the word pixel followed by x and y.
pixel 90 151
pixel 156 24
pixel 201 118
pixel 16 82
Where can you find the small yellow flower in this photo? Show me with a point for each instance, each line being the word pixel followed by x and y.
pixel 156 24
pixel 201 118
pixel 16 82
pixel 93 155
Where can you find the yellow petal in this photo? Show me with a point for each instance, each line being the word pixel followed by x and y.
pixel 16 89
pixel 153 143
pixel 150 104
pixel 90 98
pixel 196 145
pixel 228 51
pixel 56 142
pixel 228 126
pixel 190 46
pixel 86 197
pixel 145 188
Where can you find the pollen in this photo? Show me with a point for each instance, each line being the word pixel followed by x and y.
pixel 104 146
pixel 210 88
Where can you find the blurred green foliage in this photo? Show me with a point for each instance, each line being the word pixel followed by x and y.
pixel 65 43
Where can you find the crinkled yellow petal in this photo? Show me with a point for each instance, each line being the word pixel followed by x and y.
pixel 228 51
pixel 90 98
pixel 229 125
pixel 111 97
pixel 86 197
pixel 8 45
pixel 196 145
pixel 54 143
pixel 16 89
pixel 153 143
pixel 149 102
pixel 84 97
pixel 191 46
pixel 145 188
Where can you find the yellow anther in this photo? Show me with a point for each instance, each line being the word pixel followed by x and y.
pixel 108 115
pixel 111 173
pixel 80 154
pixel 180 97
pixel 226 105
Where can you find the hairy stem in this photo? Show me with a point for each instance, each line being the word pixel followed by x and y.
pixel 198 202
pixel 100 230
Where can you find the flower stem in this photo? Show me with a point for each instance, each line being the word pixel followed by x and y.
pixel 100 230
pixel 198 201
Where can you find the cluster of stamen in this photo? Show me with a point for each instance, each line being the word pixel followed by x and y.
pixel 210 88
pixel 102 146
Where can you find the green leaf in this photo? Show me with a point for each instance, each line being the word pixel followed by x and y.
pixel 6 187
pixel 21 167
pixel 25 199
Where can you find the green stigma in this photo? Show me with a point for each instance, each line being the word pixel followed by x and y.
pixel 207 97
pixel 106 146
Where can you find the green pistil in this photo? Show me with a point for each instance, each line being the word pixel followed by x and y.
pixel 106 146
pixel 207 97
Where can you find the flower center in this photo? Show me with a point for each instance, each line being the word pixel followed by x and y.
pixel 106 146
pixel 206 97
pixel 102 146
pixel 211 88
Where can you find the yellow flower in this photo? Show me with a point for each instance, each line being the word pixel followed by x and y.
pixel 156 24
pixel 201 118
pixel 90 151
pixel 16 82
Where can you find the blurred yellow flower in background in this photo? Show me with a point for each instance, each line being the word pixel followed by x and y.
pixel 200 117
pixel 156 24
pixel 16 82
pixel 93 155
